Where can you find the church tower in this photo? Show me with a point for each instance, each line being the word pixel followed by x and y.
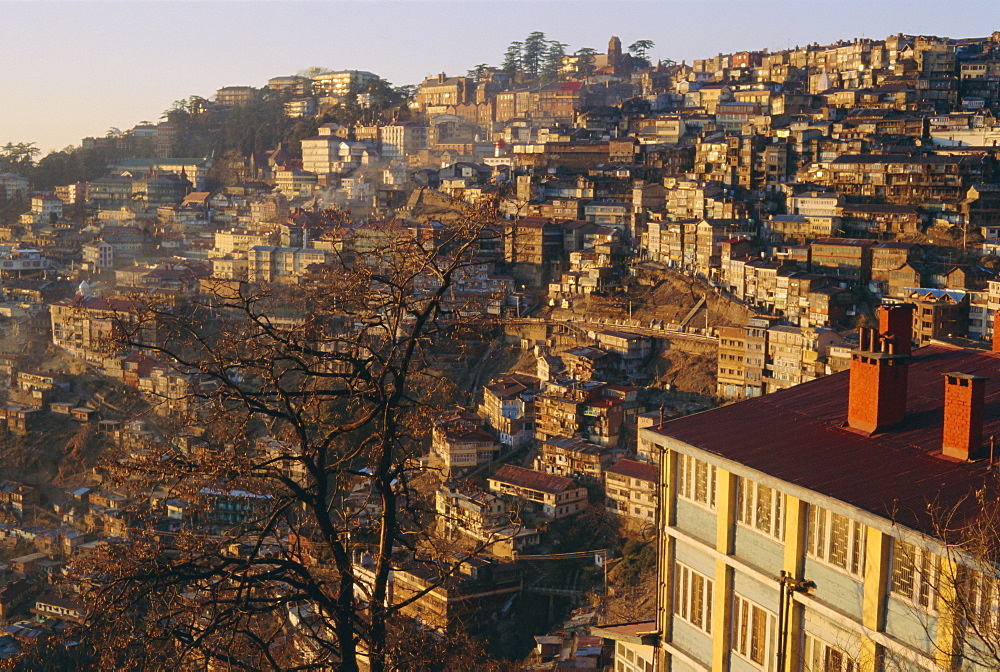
pixel 614 54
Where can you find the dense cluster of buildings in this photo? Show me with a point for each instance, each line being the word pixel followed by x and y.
pixel 821 189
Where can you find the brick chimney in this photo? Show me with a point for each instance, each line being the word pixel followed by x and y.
pixel 879 376
pixel 963 416
pixel 996 331
pixel 896 321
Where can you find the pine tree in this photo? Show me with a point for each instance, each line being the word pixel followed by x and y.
pixel 554 54
pixel 585 61
pixel 512 59
pixel 533 53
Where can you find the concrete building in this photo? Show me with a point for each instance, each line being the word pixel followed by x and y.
pixel 508 408
pixel 232 96
pixel 800 530
pixel 403 139
pixel 266 263
pixel 631 491
pixel 550 497
pixel 99 255
pixel 341 83
pixel 14 186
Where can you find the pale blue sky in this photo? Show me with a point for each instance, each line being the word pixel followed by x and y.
pixel 72 69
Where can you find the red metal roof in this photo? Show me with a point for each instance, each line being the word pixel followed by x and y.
pixel 799 436
pixel 633 469
pixel 531 479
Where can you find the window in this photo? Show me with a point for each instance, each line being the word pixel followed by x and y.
pixel 753 632
pixel 913 573
pixel 979 598
pixel 836 540
pixel 692 597
pixel 696 481
pixel 761 508
pixel 822 657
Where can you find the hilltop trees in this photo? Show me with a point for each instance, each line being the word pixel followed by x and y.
pixel 512 59
pixel 639 50
pixel 585 61
pixel 554 55
pixel 18 157
pixel 536 60
pixel 532 53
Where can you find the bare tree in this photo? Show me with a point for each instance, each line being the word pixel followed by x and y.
pixel 316 405
pixel 964 581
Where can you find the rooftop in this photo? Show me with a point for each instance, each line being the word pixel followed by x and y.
pixel 531 479
pixel 633 469
pixel 900 475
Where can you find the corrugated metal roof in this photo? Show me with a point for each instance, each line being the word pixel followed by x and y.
pixel 531 479
pixel 799 436
pixel 633 469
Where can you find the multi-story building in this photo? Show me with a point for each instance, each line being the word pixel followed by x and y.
pixel 443 91
pixel 800 228
pixel 14 186
pixel 534 247
pixel 558 409
pixel 297 108
pixel 232 96
pixel 241 240
pixel 731 371
pixel 460 448
pixel 99 255
pixel 266 263
pixel 547 495
pixel 91 328
pixel 632 349
pixel 327 153
pixel 939 313
pixel 508 408
pixel 804 530
pixel 573 458
pixel 295 183
pixel 631 490
pixel 340 84
pixel 796 355
pixel 845 258
pixel 402 139
pixel 755 359
pixel 469 597
pixel 902 179
pixel 18 262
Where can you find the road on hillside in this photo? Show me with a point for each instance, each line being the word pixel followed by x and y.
pixel 588 325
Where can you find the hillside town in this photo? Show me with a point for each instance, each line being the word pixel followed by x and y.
pixel 658 348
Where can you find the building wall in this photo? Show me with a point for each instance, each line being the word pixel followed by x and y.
pixel 849 612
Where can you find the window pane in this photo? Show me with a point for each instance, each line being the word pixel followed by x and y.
pixel 902 568
pixel 758 640
pixel 708 607
pixel 697 597
pixel 838 540
pixel 857 550
pixel 701 482
pixel 764 495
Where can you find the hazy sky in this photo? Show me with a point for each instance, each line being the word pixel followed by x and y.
pixel 73 69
